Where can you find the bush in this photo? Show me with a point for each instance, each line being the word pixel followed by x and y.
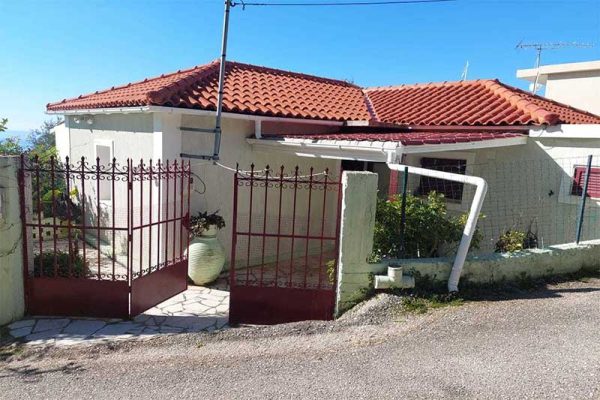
pixel 47 269
pixel 428 227
pixel 510 241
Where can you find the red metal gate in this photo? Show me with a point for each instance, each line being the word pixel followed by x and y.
pixel 285 246
pixel 103 240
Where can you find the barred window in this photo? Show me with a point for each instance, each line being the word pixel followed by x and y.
pixel 450 189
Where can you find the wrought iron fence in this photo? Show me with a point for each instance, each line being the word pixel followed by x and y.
pixel 285 228
pixel 104 221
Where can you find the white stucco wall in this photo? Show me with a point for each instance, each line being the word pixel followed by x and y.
pixel 528 183
pixel 216 186
pixel 577 89
pixel 157 136
pixel 576 84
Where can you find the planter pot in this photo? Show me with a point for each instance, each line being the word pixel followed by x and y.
pixel 206 257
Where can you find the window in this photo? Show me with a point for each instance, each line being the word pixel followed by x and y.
pixel 451 190
pixel 352 165
pixel 579 181
pixel 103 151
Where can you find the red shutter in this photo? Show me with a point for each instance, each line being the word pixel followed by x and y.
pixel 579 182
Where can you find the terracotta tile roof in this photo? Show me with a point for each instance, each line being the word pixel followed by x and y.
pixel 265 91
pixel 412 138
pixel 249 89
pixel 479 102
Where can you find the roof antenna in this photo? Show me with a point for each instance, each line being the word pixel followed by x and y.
pixel 217 129
pixel 539 47
pixel 463 76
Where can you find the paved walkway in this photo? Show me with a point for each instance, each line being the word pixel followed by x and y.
pixel 197 309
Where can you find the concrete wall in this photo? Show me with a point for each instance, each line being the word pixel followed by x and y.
pixel 578 89
pixel 498 267
pixel 359 204
pixel 12 293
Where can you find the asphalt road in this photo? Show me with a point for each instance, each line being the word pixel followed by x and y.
pixel 544 346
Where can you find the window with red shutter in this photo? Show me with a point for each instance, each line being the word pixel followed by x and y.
pixel 451 190
pixel 579 181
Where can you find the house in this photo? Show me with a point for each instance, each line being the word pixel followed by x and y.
pixel 527 147
pixel 576 84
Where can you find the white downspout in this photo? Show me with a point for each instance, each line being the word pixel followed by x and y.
pixel 471 223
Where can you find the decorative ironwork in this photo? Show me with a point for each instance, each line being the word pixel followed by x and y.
pixel 104 222
pixel 284 247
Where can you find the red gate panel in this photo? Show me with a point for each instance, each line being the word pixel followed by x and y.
pixel 78 297
pixel 103 240
pixel 284 248
pixel 159 235
pixel 154 288
pixel 275 305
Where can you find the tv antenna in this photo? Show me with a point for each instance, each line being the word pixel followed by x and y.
pixel 463 76
pixel 539 47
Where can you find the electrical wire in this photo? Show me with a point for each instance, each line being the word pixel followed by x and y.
pixel 342 3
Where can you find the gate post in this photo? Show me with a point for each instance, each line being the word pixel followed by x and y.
pixel 13 267
pixel 357 224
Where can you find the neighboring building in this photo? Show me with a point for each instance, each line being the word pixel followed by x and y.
pixel 575 84
pixel 274 117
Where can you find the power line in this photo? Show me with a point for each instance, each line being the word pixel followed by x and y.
pixel 335 3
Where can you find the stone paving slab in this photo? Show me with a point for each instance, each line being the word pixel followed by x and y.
pixel 197 309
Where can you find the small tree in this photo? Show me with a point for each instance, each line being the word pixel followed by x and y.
pixel 43 140
pixel 10 145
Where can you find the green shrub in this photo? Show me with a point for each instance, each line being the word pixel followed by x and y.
pixel 510 241
pixel 428 227
pixel 331 271
pixel 47 267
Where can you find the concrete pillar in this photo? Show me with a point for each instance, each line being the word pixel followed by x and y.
pixel 12 289
pixel 359 201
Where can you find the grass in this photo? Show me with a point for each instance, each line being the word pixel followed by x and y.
pixel 421 304
pixel 429 294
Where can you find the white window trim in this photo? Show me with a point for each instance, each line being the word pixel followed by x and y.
pixel 110 144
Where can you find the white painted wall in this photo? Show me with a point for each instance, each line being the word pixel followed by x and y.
pixel 528 183
pixel 157 136
pixel 577 89
pixel 575 84
pixel 215 185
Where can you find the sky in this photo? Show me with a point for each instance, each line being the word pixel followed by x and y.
pixel 56 49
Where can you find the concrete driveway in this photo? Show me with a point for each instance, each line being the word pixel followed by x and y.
pixel 545 344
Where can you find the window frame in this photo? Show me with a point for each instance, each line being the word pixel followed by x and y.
pixel 110 145
pixel 458 159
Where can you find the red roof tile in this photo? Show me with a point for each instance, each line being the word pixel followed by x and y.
pixel 480 102
pixel 265 91
pixel 412 138
pixel 249 89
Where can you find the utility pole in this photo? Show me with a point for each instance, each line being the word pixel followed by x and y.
pixel 539 47
pixel 219 112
